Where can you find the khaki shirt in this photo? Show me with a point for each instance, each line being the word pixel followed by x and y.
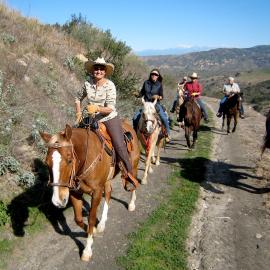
pixel 229 89
pixel 104 95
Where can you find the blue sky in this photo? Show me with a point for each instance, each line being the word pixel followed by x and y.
pixel 162 24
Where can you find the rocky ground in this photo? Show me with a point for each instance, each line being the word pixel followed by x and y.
pixel 231 229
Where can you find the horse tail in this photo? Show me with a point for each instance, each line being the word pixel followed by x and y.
pixel 266 143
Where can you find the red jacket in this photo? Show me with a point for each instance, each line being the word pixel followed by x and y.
pixel 193 87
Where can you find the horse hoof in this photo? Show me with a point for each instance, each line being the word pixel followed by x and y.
pixel 153 160
pixel 144 182
pixel 131 207
pixel 157 163
pixel 100 228
pixel 85 257
pixel 150 170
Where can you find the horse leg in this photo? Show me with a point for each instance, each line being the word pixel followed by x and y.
pixel 158 151
pixel 104 216
pixel 229 117
pixel 96 198
pixel 131 205
pixel 235 121
pixel 187 135
pixel 148 163
pixel 77 203
pixel 223 122
pixel 195 136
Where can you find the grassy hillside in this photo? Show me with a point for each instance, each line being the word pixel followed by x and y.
pixel 40 72
pixel 215 61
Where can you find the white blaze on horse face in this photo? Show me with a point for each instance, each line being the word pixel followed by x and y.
pixel 149 112
pixel 56 160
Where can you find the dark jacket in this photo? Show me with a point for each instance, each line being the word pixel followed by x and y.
pixel 150 89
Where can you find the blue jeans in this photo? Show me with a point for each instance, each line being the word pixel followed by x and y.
pixel 163 117
pixel 136 119
pixel 205 115
pixel 160 111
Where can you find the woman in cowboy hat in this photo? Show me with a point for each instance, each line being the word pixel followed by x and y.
pixel 194 87
pixel 101 96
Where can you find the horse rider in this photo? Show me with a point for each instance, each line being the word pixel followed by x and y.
pixel 151 89
pixel 101 97
pixel 194 88
pixel 229 89
pixel 180 84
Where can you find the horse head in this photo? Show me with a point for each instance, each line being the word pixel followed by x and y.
pixel 60 160
pixel 181 92
pixel 149 116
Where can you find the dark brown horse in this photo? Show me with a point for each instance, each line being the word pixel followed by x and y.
pixel 192 115
pixel 79 163
pixel 266 142
pixel 231 110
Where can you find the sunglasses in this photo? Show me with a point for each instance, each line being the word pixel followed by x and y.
pixel 99 68
pixel 154 74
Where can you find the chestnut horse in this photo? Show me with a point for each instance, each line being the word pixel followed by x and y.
pixel 79 163
pixel 149 135
pixel 191 112
pixel 231 110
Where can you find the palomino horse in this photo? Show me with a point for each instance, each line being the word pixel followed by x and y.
pixel 266 141
pixel 231 109
pixel 79 163
pixel 149 132
pixel 192 115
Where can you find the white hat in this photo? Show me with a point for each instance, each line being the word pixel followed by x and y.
pixel 231 79
pixel 194 75
pixel 185 78
pixel 89 65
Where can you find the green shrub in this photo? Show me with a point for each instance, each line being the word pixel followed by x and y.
pixel 4 216
pixel 8 164
pixel 8 38
pixel 26 179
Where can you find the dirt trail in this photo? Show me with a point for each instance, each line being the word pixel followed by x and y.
pixel 231 229
pixel 59 249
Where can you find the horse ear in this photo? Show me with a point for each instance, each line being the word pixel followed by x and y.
pixel 45 136
pixel 68 132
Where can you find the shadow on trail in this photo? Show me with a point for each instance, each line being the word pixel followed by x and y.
pixel 219 172
pixel 23 213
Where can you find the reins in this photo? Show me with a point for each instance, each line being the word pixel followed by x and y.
pixel 74 181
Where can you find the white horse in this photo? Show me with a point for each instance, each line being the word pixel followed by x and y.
pixel 180 97
pixel 149 130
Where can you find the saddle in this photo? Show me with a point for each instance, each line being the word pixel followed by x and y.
pixel 107 139
pixel 100 129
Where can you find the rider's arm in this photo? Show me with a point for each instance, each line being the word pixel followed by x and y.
pixel 161 92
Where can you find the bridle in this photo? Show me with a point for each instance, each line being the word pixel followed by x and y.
pixel 74 180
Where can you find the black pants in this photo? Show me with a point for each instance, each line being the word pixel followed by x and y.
pixel 115 131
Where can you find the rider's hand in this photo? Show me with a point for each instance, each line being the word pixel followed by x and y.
pixel 136 94
pixel 157 97
pixel 93 108
pixel 78 117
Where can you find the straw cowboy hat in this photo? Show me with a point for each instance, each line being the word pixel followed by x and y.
pixel 194 75
pixel 89 65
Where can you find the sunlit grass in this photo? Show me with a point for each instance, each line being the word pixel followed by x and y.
pixel 160 242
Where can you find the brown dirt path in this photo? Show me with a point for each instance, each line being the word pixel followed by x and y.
pixel 51 250
pixel 231 229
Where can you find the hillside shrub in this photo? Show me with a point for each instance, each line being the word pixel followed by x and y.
pixel 8 38
pixel 8 164
pixel 4 216
pixel 25 179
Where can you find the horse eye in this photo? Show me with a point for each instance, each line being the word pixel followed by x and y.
pixel 69 161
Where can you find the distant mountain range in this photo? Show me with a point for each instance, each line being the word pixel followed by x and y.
pixel 173 51
pixel 214 61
